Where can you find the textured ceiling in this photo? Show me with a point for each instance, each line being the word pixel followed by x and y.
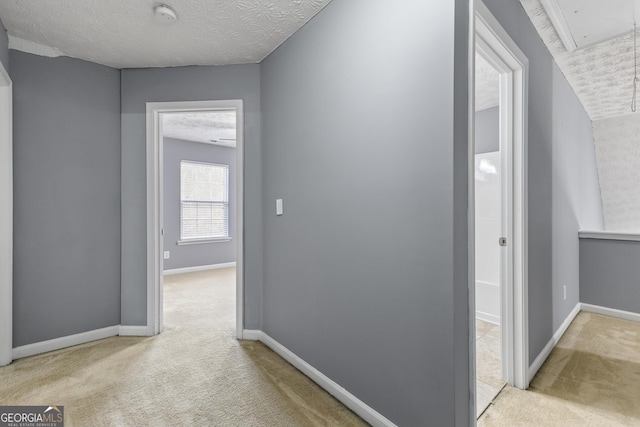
pixel 125 34
pixel 211 127
pixel 601 75
pixel 487 85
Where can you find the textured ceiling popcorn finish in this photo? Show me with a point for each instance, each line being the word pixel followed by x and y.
pixel 601 75
pixel 487 85
pixel 211 127
pixel 125 33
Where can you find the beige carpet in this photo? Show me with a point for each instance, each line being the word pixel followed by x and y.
pixel 194 373
pixel 592 378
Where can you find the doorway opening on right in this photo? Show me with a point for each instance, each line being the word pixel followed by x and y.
pixel 488 232
pixel 501 256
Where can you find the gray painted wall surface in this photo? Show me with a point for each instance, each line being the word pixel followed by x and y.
pixel 366 271
pixel 609 272
pixel 183 256
pixel 4 47
pixel 487 131
pixel 463 323
pixel 576 193
pixel 563 188
pixel 66 197
pixel 140 86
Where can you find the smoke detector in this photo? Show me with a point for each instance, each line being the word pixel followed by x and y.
pixel 164 14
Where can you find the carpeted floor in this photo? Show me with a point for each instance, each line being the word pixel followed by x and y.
pixel 197 373
pixel 591 378
pixel 194 373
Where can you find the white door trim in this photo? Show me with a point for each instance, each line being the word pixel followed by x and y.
pixel 6 217
pixel 154 205
pixel 497 47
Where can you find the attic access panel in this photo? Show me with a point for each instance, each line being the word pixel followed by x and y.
pixel 583 23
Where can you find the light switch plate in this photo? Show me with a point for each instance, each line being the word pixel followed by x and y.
pixel 279 209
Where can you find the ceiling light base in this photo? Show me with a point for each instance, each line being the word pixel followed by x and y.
pixel 164 14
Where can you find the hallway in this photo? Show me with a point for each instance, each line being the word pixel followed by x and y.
pixel 194 373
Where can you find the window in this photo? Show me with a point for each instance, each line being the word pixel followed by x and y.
pixel 204 201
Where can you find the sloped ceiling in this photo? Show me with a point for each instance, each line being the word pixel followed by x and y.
pixel 600 74
pixel 125 33
pixel 487 88
pixel 601 69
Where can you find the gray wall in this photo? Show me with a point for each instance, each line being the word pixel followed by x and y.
pixel 66 197
pixel 183 256
pixel 487 131
pixel 140 86
pixel 563 188
pixel 365 274
pixel 4 47
pixel 576 193
pixel 609 273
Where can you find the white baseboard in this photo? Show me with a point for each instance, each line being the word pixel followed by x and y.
pixel 134 331
pixel 251 334
pixel 612 312
pixel 546 351
pixel 356 405
pixel 198 268
pixel 63 342
pixel 488 317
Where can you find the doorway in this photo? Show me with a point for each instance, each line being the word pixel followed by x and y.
pixel 157 113
pixel 494 46
pixel 199 211
pixel 489 220
pixel 6 219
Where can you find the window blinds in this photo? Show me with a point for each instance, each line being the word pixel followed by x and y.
pixel 204 200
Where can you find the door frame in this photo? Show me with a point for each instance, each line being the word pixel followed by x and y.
pixel 497 47
pixel 6 217
pixel 155 259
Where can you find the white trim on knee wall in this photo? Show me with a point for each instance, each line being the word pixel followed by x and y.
pixel 611 312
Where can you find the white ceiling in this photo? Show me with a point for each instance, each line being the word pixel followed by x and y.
pixel 487 87
pixel 125 34
pixel 600 71
pixel 211 127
